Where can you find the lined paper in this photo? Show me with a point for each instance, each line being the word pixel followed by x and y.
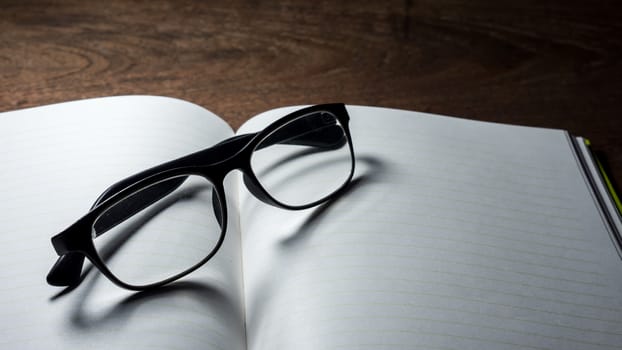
pixel 457 235
pixel 55 162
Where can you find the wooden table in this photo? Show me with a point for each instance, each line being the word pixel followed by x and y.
pixel 541 63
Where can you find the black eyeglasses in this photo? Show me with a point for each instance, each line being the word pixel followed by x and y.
pixel 299 161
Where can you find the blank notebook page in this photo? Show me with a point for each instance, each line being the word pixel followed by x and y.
pixel 56 161
pixel 456 234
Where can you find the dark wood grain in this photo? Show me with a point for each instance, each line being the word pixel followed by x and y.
pixel 542 63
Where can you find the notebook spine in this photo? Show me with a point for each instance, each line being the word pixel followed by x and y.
pixel 602 188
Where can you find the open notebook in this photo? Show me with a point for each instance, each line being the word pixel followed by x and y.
pixel 455 234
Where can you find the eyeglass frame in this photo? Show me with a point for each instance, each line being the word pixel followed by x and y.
pixel 75 243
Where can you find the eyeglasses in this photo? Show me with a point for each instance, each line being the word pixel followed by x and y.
pixel 159 225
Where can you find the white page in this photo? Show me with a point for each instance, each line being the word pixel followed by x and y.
pixel 458 235
pixel 55 162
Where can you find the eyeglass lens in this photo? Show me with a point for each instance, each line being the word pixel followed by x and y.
pixel 309 166
pixel 163 239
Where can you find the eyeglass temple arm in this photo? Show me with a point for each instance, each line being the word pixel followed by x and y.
pixel 321 136
pixel 315 132
pixel 305 131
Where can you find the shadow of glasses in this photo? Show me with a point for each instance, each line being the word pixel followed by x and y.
pixel 210 297
pixel 371 170
pixel 374 168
